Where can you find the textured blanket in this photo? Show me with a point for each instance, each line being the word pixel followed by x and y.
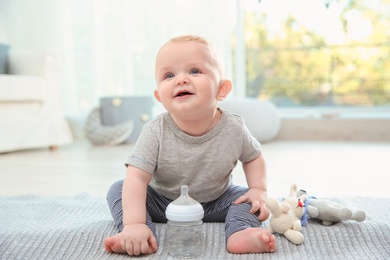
pixel 34 227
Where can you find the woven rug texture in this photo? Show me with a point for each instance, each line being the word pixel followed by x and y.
pixel 43 228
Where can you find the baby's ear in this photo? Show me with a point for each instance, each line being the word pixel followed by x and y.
pixel 225 86
pixel 157 95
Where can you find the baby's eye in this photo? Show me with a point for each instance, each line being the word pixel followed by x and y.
pixel 194 71
pixel 169 75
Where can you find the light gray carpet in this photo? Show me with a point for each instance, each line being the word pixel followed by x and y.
pixel 74 228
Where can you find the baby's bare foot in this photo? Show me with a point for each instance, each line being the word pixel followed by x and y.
pixel 251 240
pixel 113 244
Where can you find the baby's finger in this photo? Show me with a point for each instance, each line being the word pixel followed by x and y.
pixel 264 213
pixel 144 247
pixel 129 248
pixel 123 243
pixel 240 200
pixel 152 245
pixel 136 249
pixel 255 207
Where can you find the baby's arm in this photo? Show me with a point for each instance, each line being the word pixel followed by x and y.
pixel 137 238
pixel 256 177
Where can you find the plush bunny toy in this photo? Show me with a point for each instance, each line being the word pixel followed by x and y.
pixel 284 221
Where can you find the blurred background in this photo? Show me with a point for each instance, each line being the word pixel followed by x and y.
pixel 306 56
pixel 318 71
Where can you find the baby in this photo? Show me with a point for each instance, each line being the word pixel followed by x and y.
pixel 194 143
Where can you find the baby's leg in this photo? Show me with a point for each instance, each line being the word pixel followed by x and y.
pixel 155 205
pixel 112 244
pixel 114 200
pixel 244 234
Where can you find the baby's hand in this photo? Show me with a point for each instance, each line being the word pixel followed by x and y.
pixel 256 197
pixel 138 239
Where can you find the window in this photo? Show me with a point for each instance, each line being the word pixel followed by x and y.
pixel 319 53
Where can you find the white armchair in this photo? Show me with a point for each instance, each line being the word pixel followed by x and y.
pixel 30 109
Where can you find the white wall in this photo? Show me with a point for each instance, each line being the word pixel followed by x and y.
pixel 3 34
pixel 38 25
pixel 30 25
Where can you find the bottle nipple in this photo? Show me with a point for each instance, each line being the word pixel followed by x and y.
pixel 184 198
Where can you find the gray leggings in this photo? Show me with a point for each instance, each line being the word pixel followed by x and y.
pixel 223 209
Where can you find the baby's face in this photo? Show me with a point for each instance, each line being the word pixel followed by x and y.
pixel 187 77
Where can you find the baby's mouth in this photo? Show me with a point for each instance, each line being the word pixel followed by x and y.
pixel 183 94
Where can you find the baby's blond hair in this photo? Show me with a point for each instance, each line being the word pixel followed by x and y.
pixel 191 38
pixel 215 54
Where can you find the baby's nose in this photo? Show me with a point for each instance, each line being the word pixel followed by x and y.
pixel 182 80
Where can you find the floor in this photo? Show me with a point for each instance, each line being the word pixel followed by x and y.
pixel 323 169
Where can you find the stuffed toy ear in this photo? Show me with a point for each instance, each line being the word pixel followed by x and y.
pixel 293 190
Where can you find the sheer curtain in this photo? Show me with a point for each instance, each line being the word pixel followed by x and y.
pixel 111 44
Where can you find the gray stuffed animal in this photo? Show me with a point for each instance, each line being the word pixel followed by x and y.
pixel 330 212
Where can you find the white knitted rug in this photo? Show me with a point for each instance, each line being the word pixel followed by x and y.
pixel 34 227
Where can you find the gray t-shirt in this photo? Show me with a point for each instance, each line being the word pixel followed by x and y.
pixel 204 163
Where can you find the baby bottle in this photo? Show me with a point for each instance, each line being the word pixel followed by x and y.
pixel 184 229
